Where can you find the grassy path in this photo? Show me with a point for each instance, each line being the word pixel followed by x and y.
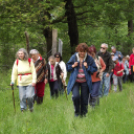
pixel 115 115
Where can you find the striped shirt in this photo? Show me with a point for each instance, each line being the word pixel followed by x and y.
pixel 81 75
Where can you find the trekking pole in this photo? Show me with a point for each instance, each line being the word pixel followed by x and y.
pixel 13 98
pixel 65 87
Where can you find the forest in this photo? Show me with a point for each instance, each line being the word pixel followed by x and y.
pixel 90 21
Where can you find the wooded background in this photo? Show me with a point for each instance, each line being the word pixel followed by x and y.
pixel 90 21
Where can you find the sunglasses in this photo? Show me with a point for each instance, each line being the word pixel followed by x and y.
pixel 57 57
pixel 103 48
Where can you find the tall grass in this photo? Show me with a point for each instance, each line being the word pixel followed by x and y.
pixel 115 115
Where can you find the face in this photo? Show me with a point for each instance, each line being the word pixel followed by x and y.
pixel 92 54
pixel 103 48
pixel 57 58
pixel 52 61
pixel 35 57
pixel 133 51
pixel 113 50
pixel 21 55
pixel 82 54
pixel 123 59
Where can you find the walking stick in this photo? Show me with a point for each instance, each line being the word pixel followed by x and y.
pixel 13 98
pixel 65 87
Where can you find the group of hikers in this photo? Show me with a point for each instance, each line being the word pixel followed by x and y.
pixel 92 75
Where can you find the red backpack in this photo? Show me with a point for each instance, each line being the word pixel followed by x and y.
pixel 29 60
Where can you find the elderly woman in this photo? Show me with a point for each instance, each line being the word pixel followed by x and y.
pixel 81 66
pixel 54 74
pixel 24 71
pixel 62 64
pixel 41 71
pixel 96 76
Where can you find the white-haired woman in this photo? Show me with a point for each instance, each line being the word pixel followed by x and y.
pixel 24 71
pixel 41 70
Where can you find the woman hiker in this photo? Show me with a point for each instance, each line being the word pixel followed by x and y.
pixel 96 77
pixel 81 66
pixel 41 70
pixel 54 74
pixel 24 71
pixel 62 64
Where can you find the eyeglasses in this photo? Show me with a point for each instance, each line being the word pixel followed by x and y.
pixel 103 48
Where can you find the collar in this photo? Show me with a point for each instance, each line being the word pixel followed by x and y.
pixel 78 58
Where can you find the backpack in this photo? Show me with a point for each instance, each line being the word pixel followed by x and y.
pixel 29 60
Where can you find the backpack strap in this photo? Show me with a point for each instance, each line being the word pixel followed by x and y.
pixel 17 62
pixel 29 60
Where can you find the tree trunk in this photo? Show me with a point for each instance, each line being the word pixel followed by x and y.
pixel 27 41
pixel 130 27
pixel 72 24
pixel 48 35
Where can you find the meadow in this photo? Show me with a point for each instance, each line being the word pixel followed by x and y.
pixel 115 115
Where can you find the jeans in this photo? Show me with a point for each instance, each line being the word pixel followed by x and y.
pixel 54 87
pixel 80 101
pixel 117 81
pixel 26 93
pixel 106 83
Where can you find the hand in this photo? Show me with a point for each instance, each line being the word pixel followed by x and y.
pixel 129 70
pixel 85 64
pixel 118 72
pixel 62 75
pixel 45 81
pixel 75 64
pixel 11 84
pixel 33 84
pixel 107 75
pixel 63 81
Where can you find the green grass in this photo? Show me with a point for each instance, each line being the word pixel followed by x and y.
pixel 115 115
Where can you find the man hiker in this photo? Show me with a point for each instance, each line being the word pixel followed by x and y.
pixel 106 56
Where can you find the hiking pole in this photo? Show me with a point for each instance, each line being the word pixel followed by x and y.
pixel 65 87
pixel 13 98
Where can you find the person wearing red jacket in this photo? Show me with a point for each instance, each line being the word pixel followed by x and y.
pixel 131 64
pixel 117 74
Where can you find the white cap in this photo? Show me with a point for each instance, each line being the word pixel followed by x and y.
pixel 115 58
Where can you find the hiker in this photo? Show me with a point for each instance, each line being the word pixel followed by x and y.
pixel 81 66
pixel 117 53
pixel 126 69
pixel 41 71
pixel 106 56
pixel 111 74
pixel 24 71
pixel 96 77
pixel 118 73
pixel 131 65
pixel 54 75
pixel 62 64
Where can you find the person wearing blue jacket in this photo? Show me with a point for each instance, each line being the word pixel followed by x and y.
pixel 81 66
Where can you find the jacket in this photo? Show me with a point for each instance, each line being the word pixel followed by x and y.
pixel 74 71
pixel 108 61
pixel 131 61
pixel 117 53
pixel 58 71
pixel 24 72
pixel 41 69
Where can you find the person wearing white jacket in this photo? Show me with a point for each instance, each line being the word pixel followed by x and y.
pixel 24 71
pixel 62 64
